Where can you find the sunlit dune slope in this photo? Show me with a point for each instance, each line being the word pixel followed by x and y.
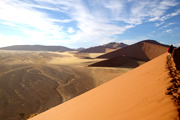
pixel 145 50
pixel 136 95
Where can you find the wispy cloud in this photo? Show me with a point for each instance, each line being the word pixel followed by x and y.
pixel 178 44
pixel 71 21
pixel 167 25
pixel 70 30
pixel 31 22
pixel 168 31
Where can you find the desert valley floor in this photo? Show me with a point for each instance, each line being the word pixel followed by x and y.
pixel 32 82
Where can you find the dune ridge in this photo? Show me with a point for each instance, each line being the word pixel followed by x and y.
pixel 144 50
pixel 174 89
pixel 104 48
pixel 138 95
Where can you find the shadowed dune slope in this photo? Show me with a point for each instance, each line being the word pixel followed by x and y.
pixel 121 61
pixel 136 95
pixel 177 58
pixel 145 50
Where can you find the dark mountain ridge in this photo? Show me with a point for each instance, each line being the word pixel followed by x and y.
pixel 37 48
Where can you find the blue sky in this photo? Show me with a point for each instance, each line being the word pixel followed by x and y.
pixel 86 23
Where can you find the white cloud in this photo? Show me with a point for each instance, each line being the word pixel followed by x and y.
pixel 95 20
pixel 153 31
pixel 37 26
pixel 9 24
pixel 159 9
pixel 168 31
pixel 11 40
pixel 167 25
pixel 178 44
pixel 158 24
pixel 70 30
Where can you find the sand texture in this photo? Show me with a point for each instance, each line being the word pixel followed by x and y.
pixel 139 94
pixel 32 82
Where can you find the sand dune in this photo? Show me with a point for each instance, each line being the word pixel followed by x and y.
pixel 145 50
pixel 110 50
pixel 104 48
pixel 136 95
pixel 32 82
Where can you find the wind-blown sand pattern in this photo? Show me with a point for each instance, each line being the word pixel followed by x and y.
pixel 32 82
pixel 136 95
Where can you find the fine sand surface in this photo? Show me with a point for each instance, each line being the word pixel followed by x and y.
pixel 136 95
pixel 32 82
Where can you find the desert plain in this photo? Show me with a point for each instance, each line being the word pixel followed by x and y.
pixel 33 82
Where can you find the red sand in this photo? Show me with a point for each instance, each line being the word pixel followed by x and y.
pixel 136 95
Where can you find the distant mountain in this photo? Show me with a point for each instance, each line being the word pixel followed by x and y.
pixel 104 48
pixel 79 49
pixel 114 45
pixel 36 48
pixel 144 50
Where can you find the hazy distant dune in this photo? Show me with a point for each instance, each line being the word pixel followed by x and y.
pixel 103 48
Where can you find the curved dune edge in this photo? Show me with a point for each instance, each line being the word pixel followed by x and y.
pixel 173 90
pixel 136 95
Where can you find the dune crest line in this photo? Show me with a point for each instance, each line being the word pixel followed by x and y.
pixel 174 73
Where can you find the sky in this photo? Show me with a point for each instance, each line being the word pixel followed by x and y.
pixel 86 23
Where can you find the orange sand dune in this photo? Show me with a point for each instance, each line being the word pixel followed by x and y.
pixel 136 95
pixel 144 50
